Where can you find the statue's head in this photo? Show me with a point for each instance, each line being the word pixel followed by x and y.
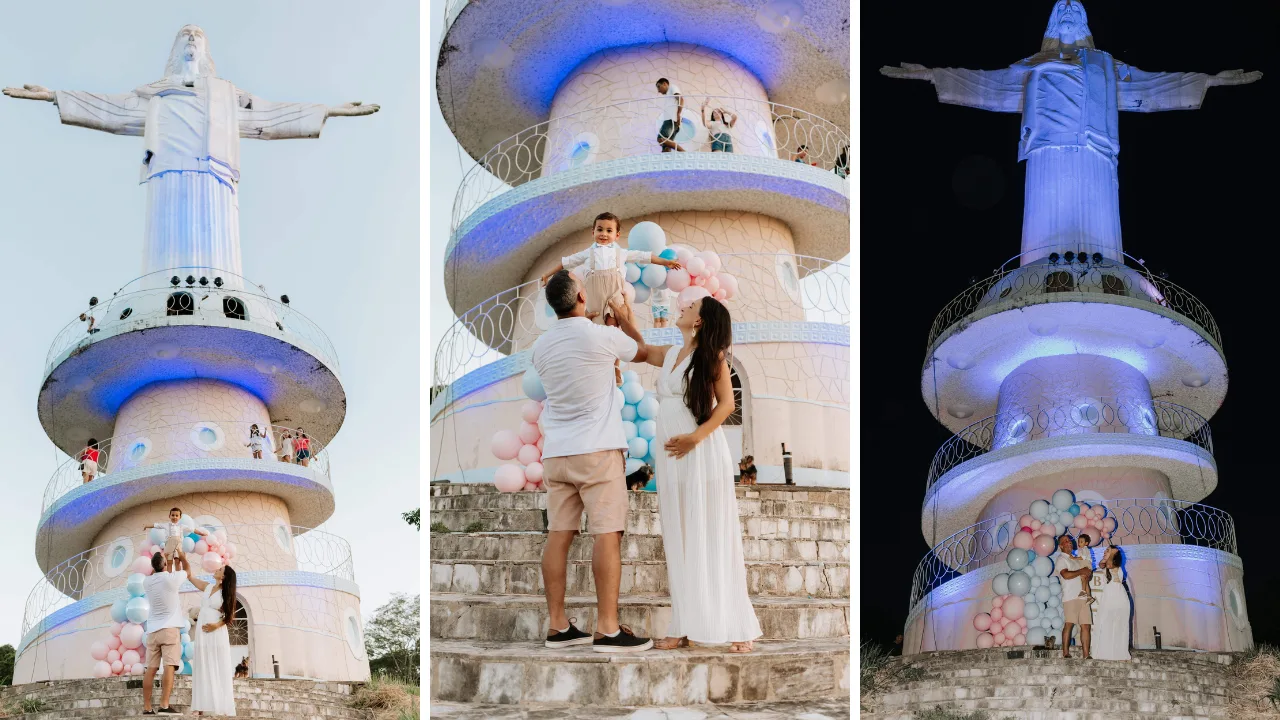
pixel 190 45
pixel 1068 27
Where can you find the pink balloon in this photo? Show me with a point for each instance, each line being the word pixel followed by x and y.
pixel 1022 540
pixel 539 443
pixel 505 445
pixel 116 667
pixel 1013 607
pixel 720 295
pixel 529 434
pixel 677 280
pixel 982 621
pixel 113 656
pixel 116 628
pixel 509 478
pixel 1008 641
pixel 698 280
pixel 1080 521
pixel 999 638
pixel 985 640
pixel 1022 621
pixel 1043 545
pixel 1026 521
pixel 1109 525
pixel 113 644
pixel 996 614
pixel 729 284
pixel 529 455
pixel 98 651
pixel 533 473
pixel 155 549
pixel 138 669
pixel 131 636
pixel 529 487
pixel 998 600
pixel 696 265
pixel 1020 639
pixel 683 254
pixel 231 549
pixel 211 561
pixel 201 548
pixel 141 564
pixel 710 260
pixel 531 411
pixel 711 284
pixel 101 669
pixel 1036 524
pixel 690 295
pixel 130 657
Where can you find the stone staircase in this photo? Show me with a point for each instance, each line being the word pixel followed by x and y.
pixel 122 698
pixel 488 615
pixel 1039 685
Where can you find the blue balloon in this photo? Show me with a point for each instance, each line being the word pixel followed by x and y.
pixel 633 392
pixel 137 610
pixel 630 376
pixel 629 430
pixel 194 538
pixel 1017 560
pixel 188 545
pixel 642 292
pixel 652 485
pixel 647 429
pixel 653 276
pixel 1019 583
pixel 647 409
pixel 633 273
pixel 156 536
pixel 186 668
pixel 633 464
pixel 1074 509
pixel 1000 585
pixel 647 236
pixel 135 585
pixel 638 446
pixel 532 386
pixel 118 609
pixel 628 413
pixel 668 254
pixel 188 651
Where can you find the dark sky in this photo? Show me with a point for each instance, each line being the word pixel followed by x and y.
pixel 1198 199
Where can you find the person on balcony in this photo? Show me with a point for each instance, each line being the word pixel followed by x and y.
pixel 286 447
pixel 718 125
pixel 672 109
pixel 89 460
pixel 256 441
pixel 302 448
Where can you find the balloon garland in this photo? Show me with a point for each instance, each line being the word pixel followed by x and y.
pixel 1028 600
pixel 702 274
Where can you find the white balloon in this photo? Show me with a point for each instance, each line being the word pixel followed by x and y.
pixel 647 236
pixel 1063 499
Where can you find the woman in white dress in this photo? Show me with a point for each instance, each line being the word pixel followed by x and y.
pixel 212 667
pixel 1111 624
pixel 701 532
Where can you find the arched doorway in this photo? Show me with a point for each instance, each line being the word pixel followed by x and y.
pixel 737 428
pixel 238 634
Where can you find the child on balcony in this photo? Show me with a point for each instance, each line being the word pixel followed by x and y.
pixel 256 441
pixel 89 460
pixel 302 446
pixel 286 447
pixel 606 267
pixel 174 532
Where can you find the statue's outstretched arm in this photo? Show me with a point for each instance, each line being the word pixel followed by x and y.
pixel 908 71
pixel 31 92
pixel 352 109
pixel 1142 91
pixel 994 90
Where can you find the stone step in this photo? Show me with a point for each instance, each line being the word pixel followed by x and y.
pixel 830 709
pixel 793 578
pixel 802 493
pixel 525 673
pixel 999 707
pixel 527 547
pixel 643 522
pixel 835 506
pixel 1041 676
pixel 523 618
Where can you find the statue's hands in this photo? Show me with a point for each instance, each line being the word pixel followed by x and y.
pixel 908 71
pixel 30 92
pixel 1226 77
pixel 352 109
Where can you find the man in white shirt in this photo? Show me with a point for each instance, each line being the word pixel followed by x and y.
pixel 582 457
pixel 672 109
pixel 164 643
pixel 1074 571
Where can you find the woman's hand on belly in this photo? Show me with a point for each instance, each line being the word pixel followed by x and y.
pixel 680 445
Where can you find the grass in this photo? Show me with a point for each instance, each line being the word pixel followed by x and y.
pixel 1255 683
pixel 439 527
pixel 476 526
pixel 24 706
pixel 389 699
pixel 941 713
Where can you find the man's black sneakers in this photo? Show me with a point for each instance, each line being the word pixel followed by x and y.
pixel 167 711
pixel 572 636
pixel 624 641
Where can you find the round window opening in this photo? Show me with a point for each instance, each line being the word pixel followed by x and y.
pixel 208 436
pixel 118 556
pixel 789 278
pixel 579 154
pixel 138 450
pixel 1233 599
pixel 282 536
pixel 353 630
pixel 766 138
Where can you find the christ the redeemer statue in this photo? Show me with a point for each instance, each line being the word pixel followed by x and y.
pixel 1070 94
pixel 191 121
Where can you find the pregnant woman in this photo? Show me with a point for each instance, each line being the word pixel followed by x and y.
pixel 212 667
pixel 701 533
pixel 1111 626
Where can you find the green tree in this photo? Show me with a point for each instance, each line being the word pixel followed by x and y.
pixel 414 518
pixel 7 659
pixel 392 638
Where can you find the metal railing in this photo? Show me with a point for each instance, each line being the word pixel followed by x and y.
pixel 1076 281
pixel 1139 521
pixel 772 287
pixel 629 129
pixel 178 441
pixel 1089 415
pixel 256 547
pixel 142 303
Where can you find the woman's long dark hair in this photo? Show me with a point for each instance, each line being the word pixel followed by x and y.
pixel 711 346
pixel 1117 560
pixel 228 595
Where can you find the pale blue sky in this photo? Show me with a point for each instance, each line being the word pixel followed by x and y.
pixel 331 222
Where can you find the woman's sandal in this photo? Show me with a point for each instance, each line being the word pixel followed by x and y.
pixel 670 643
pixel 741 648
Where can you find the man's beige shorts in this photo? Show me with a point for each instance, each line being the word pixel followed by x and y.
pixel 594 482
pixel 166 645
pixel 1077 612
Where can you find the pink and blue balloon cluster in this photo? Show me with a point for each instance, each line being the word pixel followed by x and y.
pixel 702 274
pixel 523 446
pixel 1027 602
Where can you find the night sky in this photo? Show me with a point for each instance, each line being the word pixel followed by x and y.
pixel 941 207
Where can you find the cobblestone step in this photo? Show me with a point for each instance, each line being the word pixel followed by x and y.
pixel 750 504
pixel 526 674
pixel 643 522
pixel 514 618
pixel 794 578
pixel 527 547
pixel 836 709
pixel 485 495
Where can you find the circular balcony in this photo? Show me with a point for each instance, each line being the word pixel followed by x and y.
pixel 1109 308
pixel 1139 521
pixel 1004 450
pixel 265 554
pixel 772 288
pixel 169 460
pixel 551 179
pixel 496 75
pixel 150 331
